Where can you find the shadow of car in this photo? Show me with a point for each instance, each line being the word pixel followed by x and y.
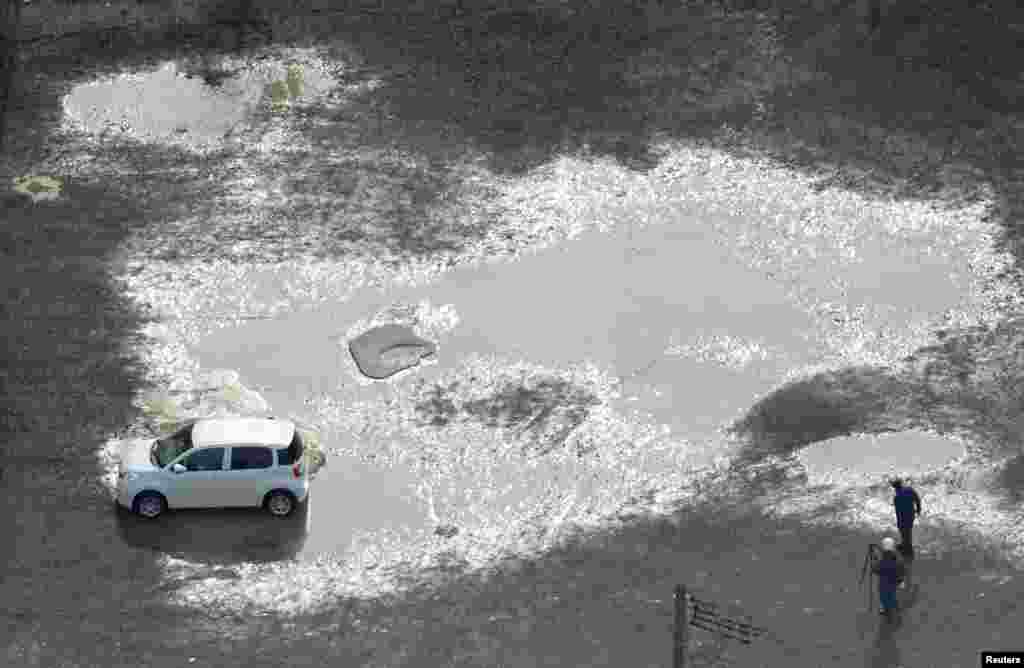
pixel 217 535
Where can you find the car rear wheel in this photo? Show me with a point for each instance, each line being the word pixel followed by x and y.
pixel 280 504
pixel 149 505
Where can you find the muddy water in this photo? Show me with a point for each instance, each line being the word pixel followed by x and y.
pixel 621 299
pixel 872 458
pixel 166 105
pixel 694 335
pixel 162 103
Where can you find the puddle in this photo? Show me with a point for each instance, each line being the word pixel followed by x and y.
pixel 166 105
pixel 351 497
pixel 619 299
pixel 695 334
pixel 868 459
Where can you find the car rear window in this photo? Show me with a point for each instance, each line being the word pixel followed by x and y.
pixel 291 454
pixel 254 457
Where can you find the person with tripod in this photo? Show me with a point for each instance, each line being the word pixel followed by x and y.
pixel 888 565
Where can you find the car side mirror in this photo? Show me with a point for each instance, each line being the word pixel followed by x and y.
pixel 178 468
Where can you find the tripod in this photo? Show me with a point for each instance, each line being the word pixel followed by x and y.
pixel 871 557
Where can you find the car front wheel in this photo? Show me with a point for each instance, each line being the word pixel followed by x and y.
pixel 149 505
pixel 280 504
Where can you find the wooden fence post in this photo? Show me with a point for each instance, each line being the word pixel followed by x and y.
pixel 681 631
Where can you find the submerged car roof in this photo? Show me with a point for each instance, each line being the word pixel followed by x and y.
pixel 225 431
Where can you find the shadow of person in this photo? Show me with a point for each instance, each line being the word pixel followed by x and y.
pixel 222 536
pixel 886 651
pixel 908 565
pixel 908 597
pixel 913 594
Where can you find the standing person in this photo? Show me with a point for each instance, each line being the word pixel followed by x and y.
pixel 891 570
pixel 908 506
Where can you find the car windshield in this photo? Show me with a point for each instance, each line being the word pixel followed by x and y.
pixel 166 450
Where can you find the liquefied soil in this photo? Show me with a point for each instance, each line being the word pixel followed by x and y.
pixel 698 373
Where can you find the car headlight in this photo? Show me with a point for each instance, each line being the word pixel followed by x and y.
pixel 129 476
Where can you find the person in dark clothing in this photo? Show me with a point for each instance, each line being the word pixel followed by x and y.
pixel 891 570
pixel 908 506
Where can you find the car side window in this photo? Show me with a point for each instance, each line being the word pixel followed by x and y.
pixel 209 459
pixel 251 457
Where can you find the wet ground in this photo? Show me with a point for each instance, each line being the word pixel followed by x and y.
pixel 694 336
pixel 664 307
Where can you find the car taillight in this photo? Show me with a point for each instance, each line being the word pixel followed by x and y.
pixel 297 470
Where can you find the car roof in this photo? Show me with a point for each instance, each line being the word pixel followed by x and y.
pixel 242 430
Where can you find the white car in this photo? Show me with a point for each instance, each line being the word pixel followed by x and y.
pixel 216 463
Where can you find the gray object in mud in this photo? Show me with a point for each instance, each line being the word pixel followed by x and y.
pixel 387 349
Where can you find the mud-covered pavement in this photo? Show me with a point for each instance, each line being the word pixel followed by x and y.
pixel 631 355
